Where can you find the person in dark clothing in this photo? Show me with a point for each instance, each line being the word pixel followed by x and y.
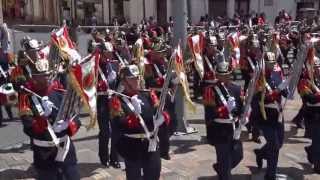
pixel 224 105
pixel 270 115
pixel 139 150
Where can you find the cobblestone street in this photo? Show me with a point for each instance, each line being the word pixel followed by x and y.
pixel 191 159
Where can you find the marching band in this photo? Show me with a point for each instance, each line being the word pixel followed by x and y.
pixel 128 84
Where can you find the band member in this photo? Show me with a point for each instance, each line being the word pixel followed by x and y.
pixel 107 79
pixel 223 106
pixel 308 89
pixel 251 54
pixel 210 55
pixel 134 113
pixel 40 109
pixel 270 120
pixel 155 71
pixel 5 59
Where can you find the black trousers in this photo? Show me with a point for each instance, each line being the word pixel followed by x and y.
pixel 64 172
pixel 150 166
pixel 274 136
pixel 107 130
pixel 164 140
pixel 313 150
pixel 224 160
pixel 9 112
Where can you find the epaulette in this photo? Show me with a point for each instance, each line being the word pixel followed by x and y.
pixel 115 107
pixel 304 87
pixel 17 75
pixel 24 105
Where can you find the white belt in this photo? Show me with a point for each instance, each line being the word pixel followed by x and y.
pixel 313 105
pixel 224 121
pixel 272 106
pixel 136 136
pixel 211 81
pixel 62 151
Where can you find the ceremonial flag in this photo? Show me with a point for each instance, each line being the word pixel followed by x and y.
pixel 181 74
pixel 84 77
pixel 62 41
pixel 234 43
pixel 196 44
pixel 138 54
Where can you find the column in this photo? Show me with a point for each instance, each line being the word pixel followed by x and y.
pixel 36 11
pixel 106 9
pixel 230 8
pixel 1 13
pixel 179 12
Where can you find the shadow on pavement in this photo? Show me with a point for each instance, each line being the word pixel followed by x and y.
pixel 15 119
pixel 85 138
pixel 196 121
pixel 235 176
pixel 18 173
pixel 292 172
pixel 184 146
pixel 85 169
pixel 19 149
pixel 292 133
pixel 3 125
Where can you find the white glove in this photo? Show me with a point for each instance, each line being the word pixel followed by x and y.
pixel 284 84
pixel 47 105
pixel 158 121
pixel 231 104
pixel 60 126
pixel 112 76
pixel 136 102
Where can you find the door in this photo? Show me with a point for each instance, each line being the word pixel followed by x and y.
pixel 162 12
pixel 217 8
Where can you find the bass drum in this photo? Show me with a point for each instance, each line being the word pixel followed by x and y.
pixel 8 96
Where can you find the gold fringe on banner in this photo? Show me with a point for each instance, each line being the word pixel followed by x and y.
pixel 76 86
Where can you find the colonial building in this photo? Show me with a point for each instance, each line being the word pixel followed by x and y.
pixel 103 11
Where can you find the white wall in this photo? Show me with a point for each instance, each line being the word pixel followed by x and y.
pixel 151 8
pixel 198 8
pixel 272 11
pixel 36 10
pixel 133 10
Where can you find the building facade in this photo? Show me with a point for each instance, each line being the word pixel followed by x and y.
pixel 102 12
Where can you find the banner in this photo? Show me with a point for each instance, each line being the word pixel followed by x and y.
pixel 196 44
pixel 181 74
pixel 83 78
pixel 62 41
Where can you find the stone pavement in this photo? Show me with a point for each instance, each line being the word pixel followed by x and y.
pixel 191 157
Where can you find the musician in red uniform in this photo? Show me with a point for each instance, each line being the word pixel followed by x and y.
pixel 50 130
pixel 223 106
pixel 270 119
pixel 308 89
pixel 134 114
